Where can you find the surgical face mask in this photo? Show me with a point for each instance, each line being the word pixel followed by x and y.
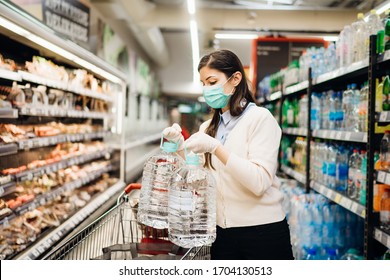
pixel 215 97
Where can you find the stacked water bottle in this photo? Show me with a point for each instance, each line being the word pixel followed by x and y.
pixel 341 110
pixel 293 153
pixel 179 196
pixel 340 167
pixel 321 229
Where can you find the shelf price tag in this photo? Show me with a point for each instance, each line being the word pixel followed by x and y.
pixel 339 135
pixel 337 198
pixel 348 136
pixel 354 207
pixel 378 234
pixel 381 177
pixel 332 134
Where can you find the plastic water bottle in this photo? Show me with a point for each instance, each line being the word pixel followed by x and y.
pixel 328 237
pixel 354 117
pixel 347 108
pixel 331 163
pixel 192 205
pixel 302 114
pixel 342 170
pixel 311 254
pixel 315 111
pixel 353 170
pixel 305 220
pixel 360 36
pixel 317 225
pixel 363 178
pixel 363 108
pixel 332 110
pixel 156 177
pixel 325 104
pixel 384 214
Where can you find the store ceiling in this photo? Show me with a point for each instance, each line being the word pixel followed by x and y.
pixel 161 28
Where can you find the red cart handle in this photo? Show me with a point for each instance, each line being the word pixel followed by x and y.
pixel 132 186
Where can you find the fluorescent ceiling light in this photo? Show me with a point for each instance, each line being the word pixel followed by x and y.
pixel 195 49
pixel 236 36
pixel 383 8
pixel 58 50
pixel 268 2
pixel 191 7
pixel 331 38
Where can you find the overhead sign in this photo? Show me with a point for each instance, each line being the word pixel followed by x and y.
pixel 68 17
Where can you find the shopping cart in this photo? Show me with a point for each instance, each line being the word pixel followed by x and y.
pixel 118 235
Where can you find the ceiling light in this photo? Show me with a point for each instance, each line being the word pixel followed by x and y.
pixel 383 8
pixel 191 7
pixel 330 38
pixel 58 50
pixel 195 49
pixel 236 36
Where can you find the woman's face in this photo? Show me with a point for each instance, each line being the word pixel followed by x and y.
pixel 210 77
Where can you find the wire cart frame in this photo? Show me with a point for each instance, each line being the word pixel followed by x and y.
pixel 118 235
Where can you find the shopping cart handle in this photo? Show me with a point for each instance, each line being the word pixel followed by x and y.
pixel 131 187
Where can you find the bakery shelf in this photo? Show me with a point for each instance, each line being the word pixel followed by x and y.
pixel 8 113
pixel 10 75
pixel 8 149
pixel 53 140
pixel 7 188
pixel 62 86
pixel 37 172
pixel 61 231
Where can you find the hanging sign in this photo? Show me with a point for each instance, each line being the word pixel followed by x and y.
pixel 68 17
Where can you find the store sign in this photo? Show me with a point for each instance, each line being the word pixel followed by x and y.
pixel 68 17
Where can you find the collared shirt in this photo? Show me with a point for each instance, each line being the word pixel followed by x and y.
pixel 227 122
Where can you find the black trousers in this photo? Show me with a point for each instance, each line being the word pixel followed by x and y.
pixel 262 242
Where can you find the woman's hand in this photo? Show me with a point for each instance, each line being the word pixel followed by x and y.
pixel 201 142
pixel 173 134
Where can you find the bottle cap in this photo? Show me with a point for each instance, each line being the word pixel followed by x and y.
pixel 192 159
pixel 169 147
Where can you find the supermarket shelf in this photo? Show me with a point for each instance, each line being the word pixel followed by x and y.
pixel 8 149
pixel 338 198
pixel 296 175
pixel 296 88
pixel 10 75
pixel 341 135
pixel 384 117
pixel 61 231
pixel 52 111
pixel 299 131
pixel 53 140
pixel 383 177
pixel 50 196
pixel 61 85
pixel 382 237
pixel 8 113
pixel 275 95
pixel 7 188
pixel 339 73
pixel 37 172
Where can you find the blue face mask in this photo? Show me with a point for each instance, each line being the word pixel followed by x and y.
pixel 215 97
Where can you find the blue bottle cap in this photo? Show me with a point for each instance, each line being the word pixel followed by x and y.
pixel 169 147
pixel 192 159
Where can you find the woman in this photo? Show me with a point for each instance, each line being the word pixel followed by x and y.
pixel 240 144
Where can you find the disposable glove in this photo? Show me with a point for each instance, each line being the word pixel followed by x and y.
pixel 201 142
pixel 173 134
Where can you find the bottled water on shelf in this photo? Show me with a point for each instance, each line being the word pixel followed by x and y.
pixel 331 166
pixel 315 111
pixel 192 205
pixel 156 177
pixel 342 170
pixel 353 172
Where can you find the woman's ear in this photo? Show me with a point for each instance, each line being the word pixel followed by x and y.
pixel 237 77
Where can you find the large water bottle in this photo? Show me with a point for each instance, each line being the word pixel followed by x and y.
pixel 342 170
pixel 354 117
pixel 360 36
pixel 328 234
pixel 325 104
pixel 192 205
pixel 317 225
pixel 156 177
pixel 302 113
pixel 339 117
pixel 305 220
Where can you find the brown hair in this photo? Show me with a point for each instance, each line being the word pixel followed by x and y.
pixel 228 63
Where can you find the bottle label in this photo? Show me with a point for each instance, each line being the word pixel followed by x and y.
pixel 332 169
pixel 342 172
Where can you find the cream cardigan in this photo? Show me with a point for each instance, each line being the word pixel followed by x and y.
pixel 247 187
